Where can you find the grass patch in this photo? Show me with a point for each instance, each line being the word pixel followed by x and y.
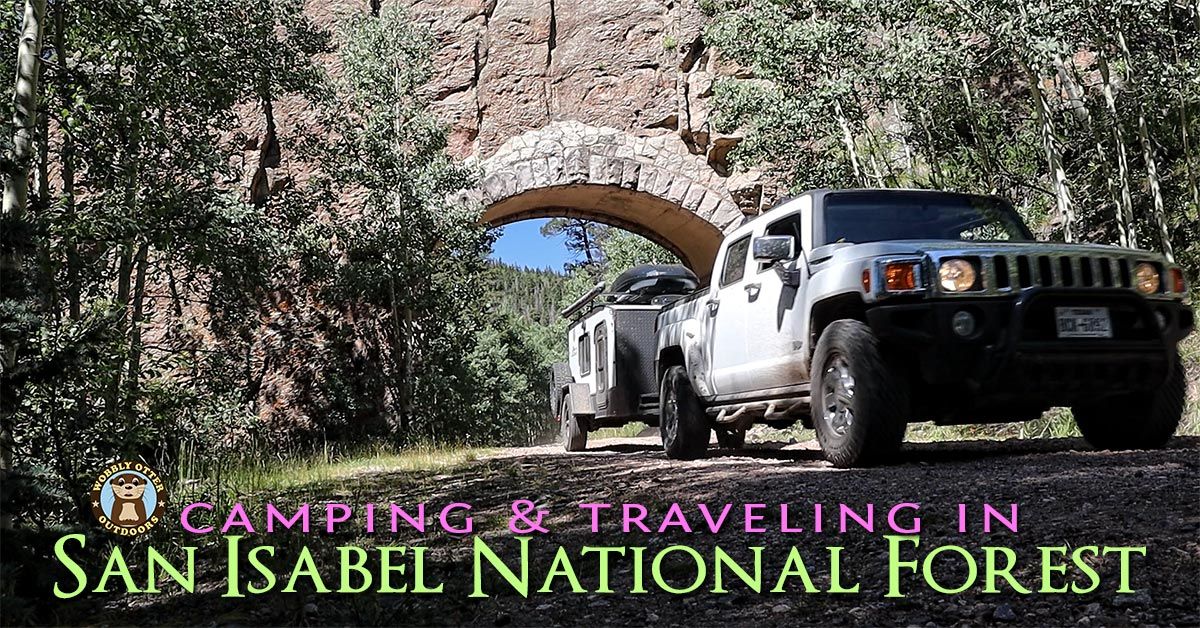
pixel 1057 423
pixel 1189 353
pixel 275 474
pixel 629 430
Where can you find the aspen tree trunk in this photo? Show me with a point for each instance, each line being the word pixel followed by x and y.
pixel 409 363
pixel 1074 93
pixel 1184 120
pixel 404 348
pixel 1193 177
pixel 935 168
pixel 879 153
pixel 25 103
pixel 127 255
pixel 1127 231
pixel 67 161
pixel 125 260
pixel 16 191
pixel 134 373
pixel 877 171
pixel 1101 154
pixel 984 155
pixel 908 155
pixel 41 202
pixel 1160 213
pixel 848 140
pixel 400 350
pixel 1062 191
pixel 402 321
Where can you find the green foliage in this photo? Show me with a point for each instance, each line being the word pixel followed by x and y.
pixel 527 294
pixel 167 317
pixel 407 264
pixel 624 250
pixel 944 94
pixel 509 381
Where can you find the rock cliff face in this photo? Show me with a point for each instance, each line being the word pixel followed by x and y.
pixel 505 68
pixel 510 66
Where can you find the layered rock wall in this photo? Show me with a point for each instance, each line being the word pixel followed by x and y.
pixel 508 67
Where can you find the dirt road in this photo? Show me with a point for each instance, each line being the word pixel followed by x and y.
pixel 1067 495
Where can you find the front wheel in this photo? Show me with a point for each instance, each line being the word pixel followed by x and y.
pixel 574 437
pixel 1145 420
pixel 859 400
pixel 683 424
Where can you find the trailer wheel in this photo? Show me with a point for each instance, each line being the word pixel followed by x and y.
pixel 684 427
pixel 731 438
pixel 859 400
pixel 1144 420
pixel 574 437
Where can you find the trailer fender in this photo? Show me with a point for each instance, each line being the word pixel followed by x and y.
pixel 581 399
pixel 560 376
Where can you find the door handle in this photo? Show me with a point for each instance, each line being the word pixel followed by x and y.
pixel 752 289
pixel 713 304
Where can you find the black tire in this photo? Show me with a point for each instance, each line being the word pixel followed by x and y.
pixel 682 422
pixel 574 436
pixel 1145 420
pixel 560 375
pixel 730 438
pixel 877 401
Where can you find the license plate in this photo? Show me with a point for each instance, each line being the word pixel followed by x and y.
pixel 1083 322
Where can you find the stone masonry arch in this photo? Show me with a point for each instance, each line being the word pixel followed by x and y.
pixel 647 185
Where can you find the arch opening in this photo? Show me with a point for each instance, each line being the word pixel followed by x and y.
pixel 690 238
pixel 650 186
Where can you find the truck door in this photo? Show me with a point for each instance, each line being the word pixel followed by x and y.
pixel 774 321
pixel 727 324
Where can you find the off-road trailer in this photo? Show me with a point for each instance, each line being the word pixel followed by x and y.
pixel 609 377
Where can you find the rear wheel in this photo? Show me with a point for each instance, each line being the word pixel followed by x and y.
pixel 1145 420
pixel 860 402
pixel 683 424
pixel 574 437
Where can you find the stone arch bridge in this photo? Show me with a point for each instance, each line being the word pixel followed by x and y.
pixel 647 185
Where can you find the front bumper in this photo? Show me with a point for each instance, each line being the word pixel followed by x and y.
pixel 1014 352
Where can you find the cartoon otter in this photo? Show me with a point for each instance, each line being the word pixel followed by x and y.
pixel 128 508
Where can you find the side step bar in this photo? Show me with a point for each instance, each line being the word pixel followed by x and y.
pixel 742 415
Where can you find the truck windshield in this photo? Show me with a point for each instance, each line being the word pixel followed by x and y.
pixel 875 216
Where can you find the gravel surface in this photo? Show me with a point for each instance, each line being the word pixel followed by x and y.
pixel 1067 495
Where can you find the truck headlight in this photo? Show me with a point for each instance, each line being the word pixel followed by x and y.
pixel 956 275
pixel 1145 278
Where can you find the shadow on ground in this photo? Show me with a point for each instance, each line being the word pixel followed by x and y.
pixel 1066 493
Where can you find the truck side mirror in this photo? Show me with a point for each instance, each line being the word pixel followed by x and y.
pixel 773 248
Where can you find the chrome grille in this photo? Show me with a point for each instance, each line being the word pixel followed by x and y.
pixel 1003 273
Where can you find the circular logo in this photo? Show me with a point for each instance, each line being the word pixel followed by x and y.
pixel 128 497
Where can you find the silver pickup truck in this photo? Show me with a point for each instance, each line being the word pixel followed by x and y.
pixel 858 311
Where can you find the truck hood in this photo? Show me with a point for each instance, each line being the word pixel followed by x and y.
pixel 852 252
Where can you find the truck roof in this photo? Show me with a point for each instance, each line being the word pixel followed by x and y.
pixel 818 195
